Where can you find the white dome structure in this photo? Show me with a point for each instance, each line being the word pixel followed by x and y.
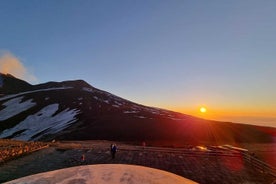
pixel 105 174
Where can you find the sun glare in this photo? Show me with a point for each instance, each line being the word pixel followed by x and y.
pixel 202 109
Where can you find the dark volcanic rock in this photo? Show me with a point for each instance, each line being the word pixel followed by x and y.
pixel 9 84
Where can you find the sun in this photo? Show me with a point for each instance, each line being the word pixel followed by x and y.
pixel 203 109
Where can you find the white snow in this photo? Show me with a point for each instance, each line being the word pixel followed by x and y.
pixel 101 100
pixel 15 106
pixel 131 112
pixel 117 106
pixel 154 112
pixel 141 117
pixel 106 174
pixel 88 89
pixel 118 103
pixel 28 92
pixel 43 122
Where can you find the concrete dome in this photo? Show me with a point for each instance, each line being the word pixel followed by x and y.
pixel 105 174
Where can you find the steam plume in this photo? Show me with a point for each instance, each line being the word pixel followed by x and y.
pixel 12 65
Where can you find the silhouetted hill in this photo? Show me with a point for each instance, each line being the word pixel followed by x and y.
pixel 74 110
pixel 9 84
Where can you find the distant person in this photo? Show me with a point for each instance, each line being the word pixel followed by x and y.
pixel 83 158
pixel 113 150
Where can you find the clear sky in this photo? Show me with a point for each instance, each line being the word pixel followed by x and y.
pixel 172 54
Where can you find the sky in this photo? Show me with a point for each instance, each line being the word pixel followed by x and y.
pixel 177 54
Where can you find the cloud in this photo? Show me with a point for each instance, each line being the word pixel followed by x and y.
pixel 12 65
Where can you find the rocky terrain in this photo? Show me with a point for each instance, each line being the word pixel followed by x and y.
pixel 10 149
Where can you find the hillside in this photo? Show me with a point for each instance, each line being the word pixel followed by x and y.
pixel 74 110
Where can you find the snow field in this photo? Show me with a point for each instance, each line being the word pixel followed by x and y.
pixel 42 123
pixel 15 106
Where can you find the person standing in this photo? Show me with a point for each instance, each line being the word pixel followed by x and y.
pixel 83 161
pixel 113 150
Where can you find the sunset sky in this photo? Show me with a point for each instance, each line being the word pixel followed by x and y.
pixel 174 54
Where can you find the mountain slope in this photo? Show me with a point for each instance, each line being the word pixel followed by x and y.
pixel 74 110
pixel 9 84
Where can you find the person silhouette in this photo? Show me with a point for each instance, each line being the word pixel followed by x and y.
pixel 113 150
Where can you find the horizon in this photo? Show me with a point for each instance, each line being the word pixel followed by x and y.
pixel 177 55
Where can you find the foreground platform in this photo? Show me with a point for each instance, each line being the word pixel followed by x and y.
pixel 105 174
pixel 196 164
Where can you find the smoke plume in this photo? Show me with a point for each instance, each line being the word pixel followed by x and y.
pixel 9 64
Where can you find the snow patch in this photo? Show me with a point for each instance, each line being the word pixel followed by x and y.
pixel 131 112
pixel 42 123
pixel 101 100
pixel 154 112
pixel 88 89
pixel 15 106
pixel 118 103
pixel 141 117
